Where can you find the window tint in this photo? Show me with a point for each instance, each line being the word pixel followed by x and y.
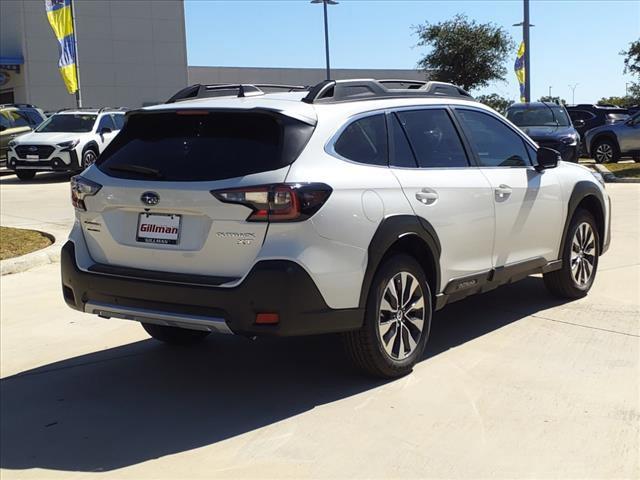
pixel 434 138
pixel 210 146
pixel 580 115
pixel 4 120
pixel 67 122
pixel 106 121
pixel 401 154
pixel 496 144
pixel 118 119
pixel 364 141
pixel 16 119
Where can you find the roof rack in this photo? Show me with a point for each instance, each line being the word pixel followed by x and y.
pixel 97 109
pixel 334 91
pixel 17 105
pixel 232 89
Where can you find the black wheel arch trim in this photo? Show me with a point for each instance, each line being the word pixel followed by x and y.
pixel 392 230
pixel 605 135
pixel 91 145
pixel 582 190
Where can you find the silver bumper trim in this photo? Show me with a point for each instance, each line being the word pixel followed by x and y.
pixel 191 322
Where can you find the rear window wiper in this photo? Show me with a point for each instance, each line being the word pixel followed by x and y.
pixel 146 171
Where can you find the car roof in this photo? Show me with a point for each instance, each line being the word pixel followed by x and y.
pixel 531 105
pixel 291 104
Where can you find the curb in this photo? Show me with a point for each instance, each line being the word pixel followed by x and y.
pixel 50 254
pixel 610 177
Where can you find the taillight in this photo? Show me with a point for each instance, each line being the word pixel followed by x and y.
pixel 81 188
pixel 279 202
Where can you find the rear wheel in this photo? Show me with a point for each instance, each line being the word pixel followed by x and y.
pixel 25 174
pixel 397 320
pixel 174 335
pixel 579 259
pixel 604 151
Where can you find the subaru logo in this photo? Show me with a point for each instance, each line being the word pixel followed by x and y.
pixel 150 198
pixel 33 149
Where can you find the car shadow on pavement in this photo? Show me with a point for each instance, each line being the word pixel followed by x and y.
pixel 39 179
pixel 125 405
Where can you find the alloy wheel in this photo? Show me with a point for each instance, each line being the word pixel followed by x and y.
pixel 604 153
pixel 401 315
pixel 89 158
pixel 583 254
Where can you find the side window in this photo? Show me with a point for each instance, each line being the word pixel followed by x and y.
pixel 118 119
pixel 496 144
pixel 434 138
pixel 19 120
pixel 364 141
pixel 106 121
pixel 400 154
pixel 4 120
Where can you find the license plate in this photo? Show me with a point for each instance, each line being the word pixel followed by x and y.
pixel 159 228
pixel 33 157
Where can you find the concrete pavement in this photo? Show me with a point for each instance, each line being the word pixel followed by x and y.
pixel 514 384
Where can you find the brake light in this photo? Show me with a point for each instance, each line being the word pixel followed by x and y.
pixel 80 189
pixel 279 202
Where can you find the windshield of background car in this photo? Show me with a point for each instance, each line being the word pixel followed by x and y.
pixel 12 119
pixel 73 123
pixel 617 117
pixel 538 117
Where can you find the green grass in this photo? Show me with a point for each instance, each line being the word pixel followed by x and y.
pixel 624 170
pixel 15 242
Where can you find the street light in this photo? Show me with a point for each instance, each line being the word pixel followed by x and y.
pixel 326 31
pixel 573 92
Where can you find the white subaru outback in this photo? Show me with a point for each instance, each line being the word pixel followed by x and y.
pixel 355 206
pixel 68 141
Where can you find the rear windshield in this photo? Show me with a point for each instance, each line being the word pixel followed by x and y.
pixel 194 145
pixel 545 116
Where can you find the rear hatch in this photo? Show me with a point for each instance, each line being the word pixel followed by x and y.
pixel 155 210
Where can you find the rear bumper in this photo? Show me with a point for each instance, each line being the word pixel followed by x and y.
pixel 272 286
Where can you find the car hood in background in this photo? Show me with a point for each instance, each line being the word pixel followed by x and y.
pixel 548 133
pixel 48 137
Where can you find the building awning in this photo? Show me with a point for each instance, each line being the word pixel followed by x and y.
pixel 11 63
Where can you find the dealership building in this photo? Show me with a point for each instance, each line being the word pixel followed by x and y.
pixel 130 53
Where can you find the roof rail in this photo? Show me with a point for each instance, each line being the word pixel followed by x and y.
pixel 334 91
pixel 234 89
pixel 97 109
pixel 17 105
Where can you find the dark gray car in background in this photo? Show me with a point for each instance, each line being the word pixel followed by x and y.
pixel 549 125
pixel 608 143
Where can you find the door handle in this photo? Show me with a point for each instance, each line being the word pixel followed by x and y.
pixel 503 192
pixel 426 196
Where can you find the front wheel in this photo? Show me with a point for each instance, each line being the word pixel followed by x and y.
pixel 579 259
pixel 25 174
pixel 604 151
pixel 174 335
pixel 397 320
pixel 89 157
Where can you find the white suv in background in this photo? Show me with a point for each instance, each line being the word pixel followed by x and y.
pixel 352 207
pixel 68 141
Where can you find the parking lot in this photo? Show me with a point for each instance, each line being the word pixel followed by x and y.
pixel 514 383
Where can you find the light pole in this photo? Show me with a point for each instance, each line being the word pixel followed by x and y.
pixel 573 92
pixel 549 92
pixel 326 31
pixel 527 49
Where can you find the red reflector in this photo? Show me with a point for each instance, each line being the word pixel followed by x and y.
pixel 267 318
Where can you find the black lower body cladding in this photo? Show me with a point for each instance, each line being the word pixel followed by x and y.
pixel 273 286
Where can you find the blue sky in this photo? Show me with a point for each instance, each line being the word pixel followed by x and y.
pixel 572 41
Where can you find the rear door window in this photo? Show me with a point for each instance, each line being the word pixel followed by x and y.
pixel 364 141
pixel 118 119
pixel 193 145
pixel 434 139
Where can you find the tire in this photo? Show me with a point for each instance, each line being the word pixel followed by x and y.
pixel 25 174
pixel 580 252
pixel 174 335
pixel 605 151
pixel 89 157
pixel 366 347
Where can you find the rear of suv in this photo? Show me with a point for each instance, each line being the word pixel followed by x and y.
pixel 68 141
pixel 351 207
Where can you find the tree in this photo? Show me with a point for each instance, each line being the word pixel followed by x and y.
pixel 495 101
pixel 632 58
pixel 558 100
pixel 618 101
pixel 464 52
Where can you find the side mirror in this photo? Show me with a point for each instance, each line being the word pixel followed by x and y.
pixel 547 158
pixel 578 123
pixel 104 130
